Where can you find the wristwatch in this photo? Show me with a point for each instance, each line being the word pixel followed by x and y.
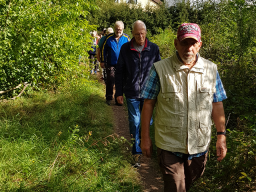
pixel 221 133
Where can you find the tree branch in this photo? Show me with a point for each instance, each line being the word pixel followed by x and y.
pixel 18 86
pixel 25 86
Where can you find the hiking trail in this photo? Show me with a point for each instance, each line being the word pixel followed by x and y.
pixel 150 175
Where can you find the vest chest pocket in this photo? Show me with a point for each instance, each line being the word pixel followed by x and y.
pixel 204 98
pixel 173 99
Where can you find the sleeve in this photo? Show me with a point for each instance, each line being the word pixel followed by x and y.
pixel 119 75
pixel 158 57
pixel 103 51
pixel 151 88
pixel 128 38
pixel 220 93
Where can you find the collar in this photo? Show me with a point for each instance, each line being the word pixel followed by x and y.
pixel 144 48
pixel 198 67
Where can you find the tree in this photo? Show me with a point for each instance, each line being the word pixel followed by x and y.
pixel 110 12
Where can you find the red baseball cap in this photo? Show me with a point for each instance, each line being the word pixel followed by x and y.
pixel 189 30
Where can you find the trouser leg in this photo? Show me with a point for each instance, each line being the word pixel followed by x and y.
pixel 172 168
pixel 194 169
pixel 96 65
pixel 92 61
pixel 110 82
pixel 178 173
pixel 134 111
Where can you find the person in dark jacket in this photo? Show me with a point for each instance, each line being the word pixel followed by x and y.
pixel 109 56
pixel 134 63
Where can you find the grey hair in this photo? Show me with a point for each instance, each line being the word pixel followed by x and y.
pixel 119 23
pixel 139 22
pixel 110 30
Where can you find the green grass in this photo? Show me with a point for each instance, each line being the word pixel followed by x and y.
pixel 63 141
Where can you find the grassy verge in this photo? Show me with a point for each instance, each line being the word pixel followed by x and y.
pixel 63 141
pixel 237 171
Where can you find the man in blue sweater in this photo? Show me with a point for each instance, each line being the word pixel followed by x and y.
pixel 134 63
pixel 109 56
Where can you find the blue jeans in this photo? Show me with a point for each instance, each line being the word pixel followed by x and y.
pixel 134 110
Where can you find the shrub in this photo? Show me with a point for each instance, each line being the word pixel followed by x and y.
pixel 165 41
pixel 41 41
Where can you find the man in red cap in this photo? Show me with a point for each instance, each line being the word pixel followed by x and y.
pixel 187 92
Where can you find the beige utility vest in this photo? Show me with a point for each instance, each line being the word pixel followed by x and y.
pixel 184 105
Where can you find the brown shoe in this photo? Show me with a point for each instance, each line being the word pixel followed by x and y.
pixel 118 104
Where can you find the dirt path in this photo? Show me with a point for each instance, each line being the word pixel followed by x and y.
pixel 149 170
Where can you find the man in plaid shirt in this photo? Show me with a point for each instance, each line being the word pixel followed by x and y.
pixel 187 91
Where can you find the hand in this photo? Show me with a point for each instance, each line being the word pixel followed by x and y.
pixel 146 147
pixel 221 147
pixel 102 65
pixel 120 99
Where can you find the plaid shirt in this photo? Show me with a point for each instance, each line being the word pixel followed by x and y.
pixel 188 157
pixel 152 89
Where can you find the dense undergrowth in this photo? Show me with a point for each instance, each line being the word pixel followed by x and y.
pixel 63 141
pixel 40 42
